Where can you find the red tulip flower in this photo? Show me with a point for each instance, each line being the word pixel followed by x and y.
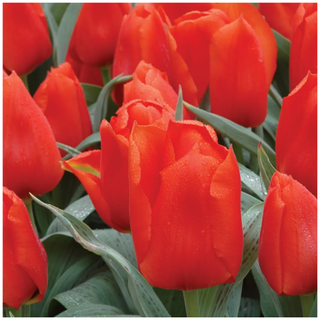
pixel 193 33
pixel 296 139
pixel 149 83
pixel 104 174
pixel 96 32
pixel 303 50
pixel 61 98
pixel 85 73
pixel 144 35
pixel 279 16
pixel 25 265
pixel 243 61
pixel 288 239
pixel 30 153
pixel 184 206
pixel 26 40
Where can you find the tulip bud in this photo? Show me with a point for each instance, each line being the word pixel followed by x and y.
pixel 184 206
pixel 96 32
pixel 296 139
pixel 30 153
pixel 26 40
pixel 279 16
pixel 303 50
pixel 104 174
pixel 25 265
pixel 288 238
pixel 61 98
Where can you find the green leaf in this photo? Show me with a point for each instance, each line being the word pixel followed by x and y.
pixel 101 108
pixel 273 305
pixel 121 242
pixel 133 285
pixel 80 209
pixel 179 108
pixel 53 26
pixel 266 168
pixel 91 92
pixel 234 301
pixel 72 151
pixel 251 182
pixel 58 10
pixel 240 135
pixel 71 277
pixel 93 310
pixel 248 201
pixel 89 141
pixel 100 289
pixel 66 29
pixel 63 252
pixel 214 301
pixel 249 308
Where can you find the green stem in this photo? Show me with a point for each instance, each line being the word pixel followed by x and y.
pixel 258 131
pixel 25 81
pixel 106 75
pixel 238 152
pixel 191 301
pixel 275 96
pixel 307 304
pixel 28 203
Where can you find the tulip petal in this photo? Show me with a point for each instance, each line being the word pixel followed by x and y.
pixel 88 174
pixel 25 263
pixel 114 174
pixel 238 88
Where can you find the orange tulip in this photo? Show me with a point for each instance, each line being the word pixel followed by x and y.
pixel 149 83
pixel 288 239
pixel 96 32
pixel 25 265
pixel 61 98
pixel 30 153
pixel 26 40
pixel 104 174
pixel 296 139
pixel 144 36
pixel 303 50
pixel 184 206
pixel 279 16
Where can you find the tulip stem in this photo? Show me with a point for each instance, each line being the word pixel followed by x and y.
pixel 307 304
pixel 25 81
pixel 238 152
pixel 106 76
pixel 191 301
pixel 275 96
pixel 28 203
pixel 258 131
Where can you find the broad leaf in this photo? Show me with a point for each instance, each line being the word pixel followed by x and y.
pixel 137 291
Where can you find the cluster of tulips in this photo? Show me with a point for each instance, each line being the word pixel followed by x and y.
pixel 151 169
